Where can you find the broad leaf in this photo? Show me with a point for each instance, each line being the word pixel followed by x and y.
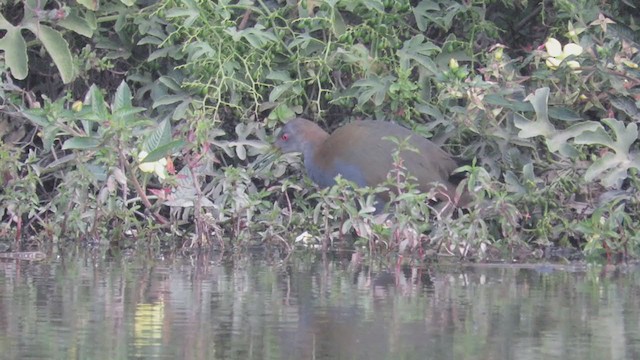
pixel 95 99
pixel 612 168
pixel 58 49
pixel 373 88
pixel 164 150
pixel 558 141
pixel 159 137
pixel 419 50
pixel 15 52
pixel 122 99
pixel 541 126
pixel 81 143
pixel 77 24
pixel 257 36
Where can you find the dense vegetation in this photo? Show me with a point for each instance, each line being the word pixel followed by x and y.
pixel 139 121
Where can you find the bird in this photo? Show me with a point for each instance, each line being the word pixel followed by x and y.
pixel 362 152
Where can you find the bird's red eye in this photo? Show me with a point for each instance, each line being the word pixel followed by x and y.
pixel 284 137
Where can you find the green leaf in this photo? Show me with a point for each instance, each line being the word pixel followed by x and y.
pixel 279 75
pixel 625 136
pixel 159 137
pixel 164 150
pixel 429 12
pixel 168 100
pixel 58 49
pixel 170 82
pixel 376 5
pixel 598 136
pixel 421 13
pixel 627 105
pixel 15 52
pixel 163 52
pixel 419 50
pixel 499 100
pixel 4 24
pixel 373 88
pixel 150 40
pixel 81 143
pixel 256 36
pixel 77 24
pixel 90 4
pixel 541 126
pixel 612 168
pixel 282 112
pixel 338 24
pixel 564 114
pixel 429 110
pixel 599 167
pixel 180 110
pixel 95 99
pixel 557 141
pixel 198 50
pixel 191 14
pixel 301 41
pixel 37 116
pixel 122 99
pixel 125 115
pixel 277 91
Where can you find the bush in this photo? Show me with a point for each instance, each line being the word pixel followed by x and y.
pixel 542 96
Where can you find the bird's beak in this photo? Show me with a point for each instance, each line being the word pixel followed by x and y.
pixel 265 160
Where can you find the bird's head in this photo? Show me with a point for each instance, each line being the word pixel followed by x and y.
pixel 299 135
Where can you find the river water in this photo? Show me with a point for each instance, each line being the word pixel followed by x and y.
pixel 90 306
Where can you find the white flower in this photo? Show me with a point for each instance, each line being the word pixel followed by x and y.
pixel 158 167
pixel 557 53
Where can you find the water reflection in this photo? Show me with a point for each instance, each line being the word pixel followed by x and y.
pixel 306 308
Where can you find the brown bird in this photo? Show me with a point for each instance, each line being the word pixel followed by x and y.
pixel 358 152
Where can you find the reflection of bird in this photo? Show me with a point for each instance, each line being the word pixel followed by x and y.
pixel 358 152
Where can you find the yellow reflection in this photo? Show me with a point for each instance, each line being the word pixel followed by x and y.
pixel 147 327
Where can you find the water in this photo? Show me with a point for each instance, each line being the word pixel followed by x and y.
pixel 85 307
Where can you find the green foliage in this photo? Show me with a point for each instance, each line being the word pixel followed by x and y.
pixel 198 85
pixel 36 20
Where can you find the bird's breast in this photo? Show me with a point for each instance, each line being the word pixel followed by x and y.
pixel 324 171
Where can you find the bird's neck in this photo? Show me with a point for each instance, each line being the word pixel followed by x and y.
pixel 315 137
